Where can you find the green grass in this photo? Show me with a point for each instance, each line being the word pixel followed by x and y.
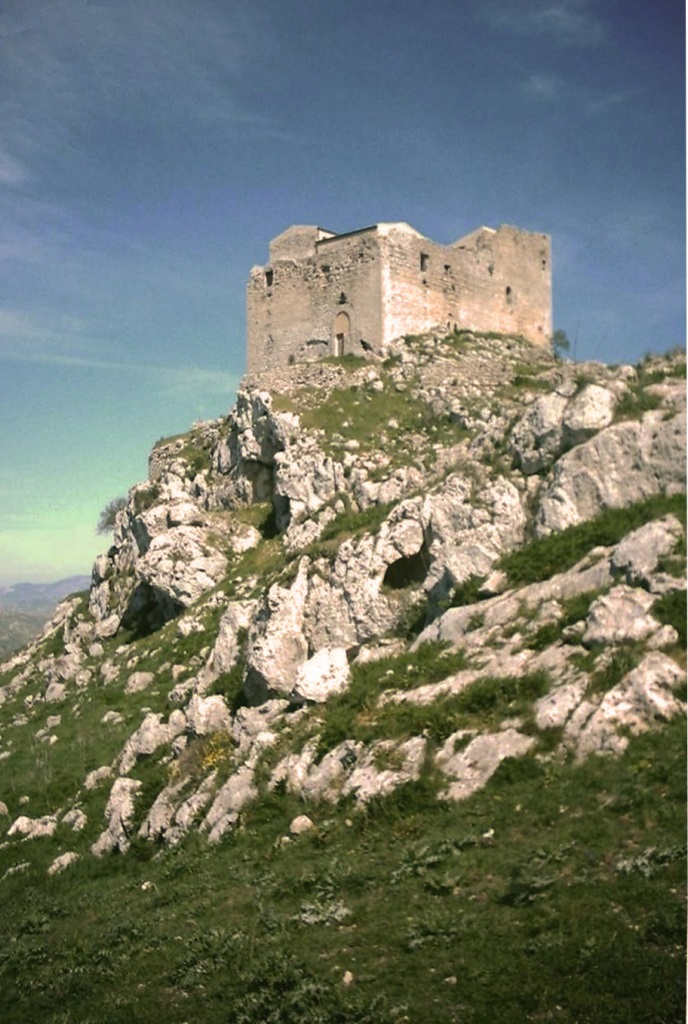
pixel 558 552
pixel 575 903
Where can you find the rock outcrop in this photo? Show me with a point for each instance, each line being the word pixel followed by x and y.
pixel 297 583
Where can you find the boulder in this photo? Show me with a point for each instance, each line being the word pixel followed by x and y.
pixel 323 675
pixel 621 465
pixel 642 700
pixel 619 617
pixel 588 412
pixel 138 681
pixel 536 440
pixel 119 813
pixel 276 646
pixel 207 715
pixel 33 828
pixel 151 734
pixel 470 768
pixel 636 557
pixel 63 862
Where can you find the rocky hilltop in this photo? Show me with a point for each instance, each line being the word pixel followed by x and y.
pixel 369 575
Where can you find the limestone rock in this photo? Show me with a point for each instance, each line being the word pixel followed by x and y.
pixel 33 828
pixel 119 813
pixel 207 715
pixel 625 463
pixel 63 862
pixel 151 734
pixel 98 775
pixel 239 790
pixel 636 557
pixel 138 681
pixel 638 703
pixel 588 412
pixel 536 440
pixel 368 779
pixel 276 645
pixel 300 825
pixel 182 564
pixel 233 624
pixel 323 675
pixel 471 767
pixel 620 616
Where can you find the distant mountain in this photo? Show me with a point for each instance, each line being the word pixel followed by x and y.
pixel 26 607
pixel 41 595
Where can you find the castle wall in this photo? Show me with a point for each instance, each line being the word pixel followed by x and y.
pixel 296 308
pixel 323 294
pixel 489 281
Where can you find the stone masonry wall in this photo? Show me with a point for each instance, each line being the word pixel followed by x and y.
pixel 324 294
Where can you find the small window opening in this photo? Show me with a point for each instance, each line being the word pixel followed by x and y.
pixel 424 262
pixel 490 269
pixel 544 264
pixel 508 293
pixel 268 278
pixel 447 267
pixel 342 298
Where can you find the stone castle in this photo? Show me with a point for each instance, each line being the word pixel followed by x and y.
pixel 328 294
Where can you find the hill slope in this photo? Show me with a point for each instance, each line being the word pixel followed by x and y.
pixel 379 689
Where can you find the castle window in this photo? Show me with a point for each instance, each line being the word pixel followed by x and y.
pixel 509 297
pixel 268 278
pixel 342 299
pixel 424 262
pixel 447 267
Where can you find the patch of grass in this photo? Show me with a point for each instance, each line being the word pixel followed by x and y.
pixel 354 714
pixel 576 902
pixel 573 610
pixel 622 661
pixel 558 552
pixel 670 609
pixel 467 592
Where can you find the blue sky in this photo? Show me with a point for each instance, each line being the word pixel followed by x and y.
pixel 149 150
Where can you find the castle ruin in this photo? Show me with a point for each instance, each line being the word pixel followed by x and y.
pixel 328 294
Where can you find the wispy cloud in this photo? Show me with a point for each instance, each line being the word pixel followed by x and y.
pixel 12 172
pixel 564 21
pixel 67 61
pixel 544 87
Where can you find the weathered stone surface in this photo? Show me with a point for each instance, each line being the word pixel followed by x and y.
pixel 276 645
pixel 239 790
pixel 98 775
pixel 536 440
pixel 75 819
pixel 620 616
pixel 638 554
pixel 119 814
pixel 369 780
pixel 63 862
pixel 471 767
pixel 33 828
pixel 138 681
pixel 300 825
pixel 182 564
pixel 323 675
pixel 588 412
pixel 468 531
pixel 151 734
pixel 639 702
pixel 623 464
pixel 233 624
pixel 206 715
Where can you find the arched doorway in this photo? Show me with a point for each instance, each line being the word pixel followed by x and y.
pixel 341 334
